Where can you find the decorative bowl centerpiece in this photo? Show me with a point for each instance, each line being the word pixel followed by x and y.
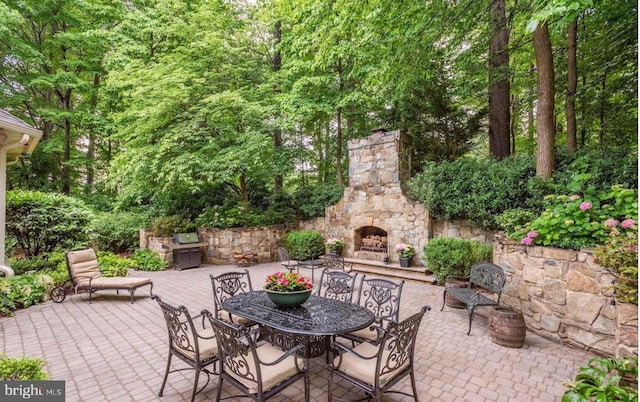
pixel 287 289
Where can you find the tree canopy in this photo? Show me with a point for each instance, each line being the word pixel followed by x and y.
pixel 176 104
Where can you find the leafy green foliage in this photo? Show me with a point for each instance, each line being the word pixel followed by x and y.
pixel 512 220
pixel 476 189
pixel 23 291
pixel 40 222
pixel 453 257
pixel 579 221
pixel 167 226
pixel 600 380
pixel 312 200
pixel 119 231
pixel 21 369
pixel 111 264
pixel 619 254
pixel 303 244
pixel 147 260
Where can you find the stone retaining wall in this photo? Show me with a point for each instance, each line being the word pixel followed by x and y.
pixel 223 243
pixel 565 296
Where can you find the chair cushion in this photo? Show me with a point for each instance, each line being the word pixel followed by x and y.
pixel 83 263
pixel 365 333
pixel 119 282
pixel 224 315
pixel 208 348
pixel 271 375
pixel 365 370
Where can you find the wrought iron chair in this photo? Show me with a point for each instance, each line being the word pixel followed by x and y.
pixel 336 285
pixel 337 263
pixel 197 347
pixel 228 285
pixel 382 298
pixel 377 368
pixel 286 261
pixel 258 371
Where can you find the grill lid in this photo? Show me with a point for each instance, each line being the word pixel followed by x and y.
pixel 185 238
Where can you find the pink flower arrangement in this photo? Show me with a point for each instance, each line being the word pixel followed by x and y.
pixel 628 223
pixel 585 205
pixel 287 282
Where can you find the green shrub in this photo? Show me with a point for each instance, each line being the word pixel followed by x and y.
pixel 477 189
pixel 513 220
pixel 312 200
pixel 453 257
pixel 119 231
pixel 111 264
pixel 579 221
pixel 40 222
pixel 23 291
pixel 147 260
pixel 603 380
pixel 45 262
pixel 619 254
pixel 166 226
pixel 21 369
pixel 303 244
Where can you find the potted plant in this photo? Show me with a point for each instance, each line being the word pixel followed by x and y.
pixel 287 289
pixel 405 253
pixel 335 246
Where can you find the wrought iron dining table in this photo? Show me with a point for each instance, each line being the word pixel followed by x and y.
pixel 312 324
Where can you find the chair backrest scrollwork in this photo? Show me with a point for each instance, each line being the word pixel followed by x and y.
pixel 381 297
pixel 337 285
pixel 398 345
pixel 228 285
pixel 182 333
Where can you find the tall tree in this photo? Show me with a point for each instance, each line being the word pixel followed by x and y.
pixel 545 118
pixel 499 87
pixel 572 85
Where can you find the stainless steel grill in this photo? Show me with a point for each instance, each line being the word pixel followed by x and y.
pixel 186 250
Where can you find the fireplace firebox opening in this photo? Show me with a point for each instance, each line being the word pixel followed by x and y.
pixel 370 242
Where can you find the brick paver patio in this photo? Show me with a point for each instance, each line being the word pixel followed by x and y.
pixel 111 350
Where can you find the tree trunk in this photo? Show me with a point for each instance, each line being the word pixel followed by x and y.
pixel 603 96
pixel 546 94
pixel 244 194
pixel 339 131
pixel 572 85
pixel 499 88
pixel 583 113
pixel 278 180
pixel 530 126
pixel 91 145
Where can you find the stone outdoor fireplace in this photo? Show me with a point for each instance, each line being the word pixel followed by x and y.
pixel 374 213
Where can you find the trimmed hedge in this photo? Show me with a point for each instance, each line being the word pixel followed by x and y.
pixel 303 244
pixel 453 257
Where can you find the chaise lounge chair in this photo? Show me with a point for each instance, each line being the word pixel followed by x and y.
pixel 85 275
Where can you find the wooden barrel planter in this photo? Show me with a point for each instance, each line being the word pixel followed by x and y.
pixel 507 327
pixel 452 301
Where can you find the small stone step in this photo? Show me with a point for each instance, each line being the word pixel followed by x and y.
pixel 394 271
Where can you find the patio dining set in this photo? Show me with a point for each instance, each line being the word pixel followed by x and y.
pixel 260 348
